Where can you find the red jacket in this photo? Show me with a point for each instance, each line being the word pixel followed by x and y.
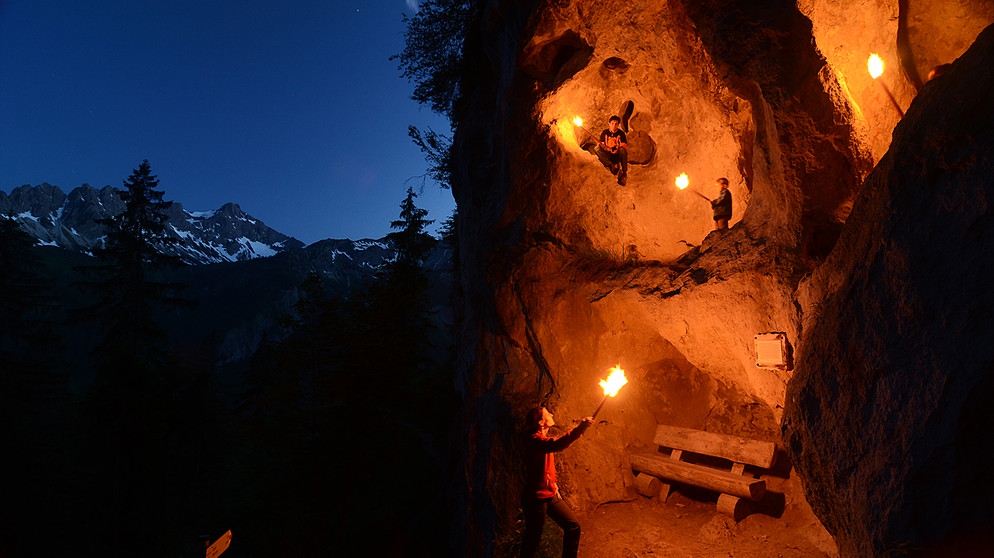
pixel 540 463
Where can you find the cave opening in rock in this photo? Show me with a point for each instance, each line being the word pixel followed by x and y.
pixel 586 273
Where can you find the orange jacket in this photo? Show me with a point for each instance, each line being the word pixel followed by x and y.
pixel 540 463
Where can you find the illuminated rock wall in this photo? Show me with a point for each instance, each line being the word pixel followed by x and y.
pixel 888 416
pixel 566 273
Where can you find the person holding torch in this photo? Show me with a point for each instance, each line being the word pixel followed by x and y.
pixel 541 496
pixel 722 205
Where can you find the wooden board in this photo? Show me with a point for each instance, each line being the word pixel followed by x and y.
pixel 732 448
pixel 219 545
pixel 698 475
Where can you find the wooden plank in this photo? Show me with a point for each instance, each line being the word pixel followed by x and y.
pixel 219 545
pixel 732 448
pixel 698 475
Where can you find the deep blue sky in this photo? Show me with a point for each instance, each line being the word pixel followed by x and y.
pixel 290 108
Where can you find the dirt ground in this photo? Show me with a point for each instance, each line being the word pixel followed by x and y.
pixel 682 527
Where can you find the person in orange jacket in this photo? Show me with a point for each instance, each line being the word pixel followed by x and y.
pixel 541 495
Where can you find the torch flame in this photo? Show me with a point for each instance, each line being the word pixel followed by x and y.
pixel 578 121
pixel 682 181
pixel 614 382
pixel 875 65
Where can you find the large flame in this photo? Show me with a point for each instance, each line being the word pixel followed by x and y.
pixel 875 65
pixel 682 181
pixel 578 121
pixel 614 381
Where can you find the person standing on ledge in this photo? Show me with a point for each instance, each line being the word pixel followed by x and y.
pixel 722 205
pixel 612 149
pixel 541 495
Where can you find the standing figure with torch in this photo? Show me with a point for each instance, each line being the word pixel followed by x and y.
pixel 722 205
pixel 541 495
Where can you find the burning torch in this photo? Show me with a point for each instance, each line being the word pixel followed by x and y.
pixel 615 380
pixel 875 65
pixel 579 124
pixel 683 181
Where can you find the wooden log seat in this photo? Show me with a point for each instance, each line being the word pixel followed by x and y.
pixel 737 490
pixel 699 475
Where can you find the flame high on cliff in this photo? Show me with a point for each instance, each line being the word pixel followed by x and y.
pixel 875 65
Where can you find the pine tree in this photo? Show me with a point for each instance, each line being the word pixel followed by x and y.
pixel 125 284
pixel 411 241
pixel 132 406
pixel 395 322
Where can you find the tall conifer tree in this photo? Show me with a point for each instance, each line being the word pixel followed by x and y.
pixel 125 282
pixel 133 405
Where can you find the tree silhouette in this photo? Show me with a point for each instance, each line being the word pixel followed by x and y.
pixel 433 60
pixel 33 395
pixel 411 241
pixel 432 56
pixel 330 409
pixel 133 404
pixel 125 284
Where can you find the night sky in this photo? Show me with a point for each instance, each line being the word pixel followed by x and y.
pixel 290 108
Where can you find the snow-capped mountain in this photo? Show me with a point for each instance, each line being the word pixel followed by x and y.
pixel 69 221
pixel 257 273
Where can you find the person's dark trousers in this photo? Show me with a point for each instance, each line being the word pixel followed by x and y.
pixel 535 512
pixel 622 157
pixel 608 158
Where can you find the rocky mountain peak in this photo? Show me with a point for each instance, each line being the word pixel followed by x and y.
pixel 69 221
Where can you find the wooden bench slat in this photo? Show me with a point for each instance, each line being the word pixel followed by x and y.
pixel 698 475
pixel 732 448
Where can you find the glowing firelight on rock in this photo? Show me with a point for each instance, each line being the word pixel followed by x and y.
pixel 579 124
pixel 611 385
pixel 875 65
pixel 683 181
pixel 876 68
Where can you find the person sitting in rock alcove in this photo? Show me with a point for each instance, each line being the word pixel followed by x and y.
pixel 612 149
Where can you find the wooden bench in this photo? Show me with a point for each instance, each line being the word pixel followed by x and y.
pixel 737 490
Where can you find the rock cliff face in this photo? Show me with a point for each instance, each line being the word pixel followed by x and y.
pixel 566 273
pixel 890 402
